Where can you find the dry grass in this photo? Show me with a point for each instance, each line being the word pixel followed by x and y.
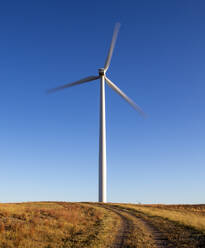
pixel 52 225
pixel 109 226
pixel 189 215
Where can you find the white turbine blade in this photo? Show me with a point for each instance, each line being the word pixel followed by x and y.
pixel 112 45
pixel 122 94
pixel 81 81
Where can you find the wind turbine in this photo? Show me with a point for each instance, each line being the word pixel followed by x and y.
pixel 102 136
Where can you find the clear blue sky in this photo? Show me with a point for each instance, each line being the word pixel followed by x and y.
pixel 49 143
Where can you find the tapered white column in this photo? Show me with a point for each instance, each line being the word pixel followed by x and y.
pixel 102 145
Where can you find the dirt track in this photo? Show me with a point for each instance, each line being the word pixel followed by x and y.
pixel 135 231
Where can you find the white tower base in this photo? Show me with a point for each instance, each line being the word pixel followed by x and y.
pixel 102 145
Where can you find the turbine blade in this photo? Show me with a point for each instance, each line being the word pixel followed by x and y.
pixel 122 94
pixel 81 81
pixel 112 45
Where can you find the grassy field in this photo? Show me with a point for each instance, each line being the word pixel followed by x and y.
pixel 189 215
pixel 61 224
pixel 51 225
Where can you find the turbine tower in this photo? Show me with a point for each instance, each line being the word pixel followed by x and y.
pixel 102 135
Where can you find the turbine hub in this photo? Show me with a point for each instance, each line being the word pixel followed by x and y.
pixel 101 71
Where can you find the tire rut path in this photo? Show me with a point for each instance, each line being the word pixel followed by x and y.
pixel 124 230
pixel 128 224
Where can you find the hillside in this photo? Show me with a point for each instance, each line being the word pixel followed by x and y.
pixel 63 224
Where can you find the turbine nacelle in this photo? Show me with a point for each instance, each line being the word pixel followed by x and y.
pixel 101 71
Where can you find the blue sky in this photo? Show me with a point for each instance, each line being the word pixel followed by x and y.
pixel 49 143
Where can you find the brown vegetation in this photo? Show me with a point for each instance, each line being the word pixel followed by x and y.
pixel 189 215
pixel 52 225
pixel 66 225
